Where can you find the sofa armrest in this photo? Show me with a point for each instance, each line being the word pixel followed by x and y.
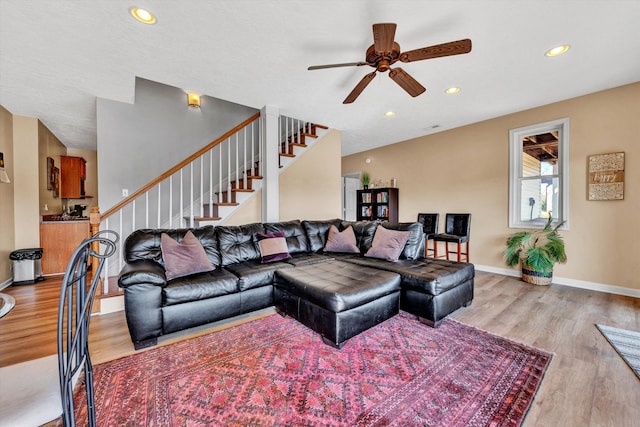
pixel 149 272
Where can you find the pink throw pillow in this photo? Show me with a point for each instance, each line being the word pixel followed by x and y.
pixel 273 247
pixel 387 244
pixel 344 241
pixel 183 258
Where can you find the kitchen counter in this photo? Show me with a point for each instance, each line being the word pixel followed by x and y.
pixel 63 218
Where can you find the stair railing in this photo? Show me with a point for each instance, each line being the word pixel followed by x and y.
pixel 178 196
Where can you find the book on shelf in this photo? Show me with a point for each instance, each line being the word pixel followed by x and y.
pixel 366 197
pixel 382 197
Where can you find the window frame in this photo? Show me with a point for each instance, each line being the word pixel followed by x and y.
pixel 516 174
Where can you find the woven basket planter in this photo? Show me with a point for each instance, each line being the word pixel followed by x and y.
pixel 536 278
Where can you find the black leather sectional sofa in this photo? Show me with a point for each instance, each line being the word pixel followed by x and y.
pixel 337 294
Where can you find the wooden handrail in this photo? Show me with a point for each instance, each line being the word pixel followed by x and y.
pixel 177 167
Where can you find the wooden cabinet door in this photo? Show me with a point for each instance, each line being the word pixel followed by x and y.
pixel 72 173
pixel 58 240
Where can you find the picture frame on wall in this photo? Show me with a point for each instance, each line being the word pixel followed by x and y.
pixel 50 176
pixel 606 177
pixel 56 182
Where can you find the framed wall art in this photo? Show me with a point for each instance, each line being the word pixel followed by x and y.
pixel 606 177
pixel 50 176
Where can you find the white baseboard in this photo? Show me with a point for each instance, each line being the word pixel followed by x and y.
pixel 574 283
pixel 111 305
pixel 6 283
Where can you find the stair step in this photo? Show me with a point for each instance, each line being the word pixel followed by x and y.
pixel 243 190
pixel 207 218
pixel 297 144
pixel 254 177
pixel 226 204
pixel 287 155
pixel 310 135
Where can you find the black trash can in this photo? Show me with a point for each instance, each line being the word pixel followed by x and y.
pixel 27 265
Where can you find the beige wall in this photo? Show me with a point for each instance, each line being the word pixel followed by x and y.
pixel 7 239
pixel 467 170
pixel 48 146
pixel 310 188
pixel 26 187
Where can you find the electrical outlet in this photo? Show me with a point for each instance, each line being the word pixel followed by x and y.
pixel 125 192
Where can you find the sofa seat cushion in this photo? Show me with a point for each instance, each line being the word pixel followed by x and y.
pixel 427 275
pixel 200 286
pixel 308 258
pixel 336 285
pixel 253 274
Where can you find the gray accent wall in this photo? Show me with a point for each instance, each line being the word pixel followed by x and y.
pixel 138 142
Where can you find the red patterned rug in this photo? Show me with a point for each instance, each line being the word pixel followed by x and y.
pixel 276 372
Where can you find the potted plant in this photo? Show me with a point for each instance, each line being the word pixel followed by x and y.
pixel 537 252
pixel 365 178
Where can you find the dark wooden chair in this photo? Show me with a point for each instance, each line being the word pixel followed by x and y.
pixel 74 312
pixel 457 230
pixel 429 223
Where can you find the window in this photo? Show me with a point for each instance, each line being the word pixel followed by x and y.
pixel 539 174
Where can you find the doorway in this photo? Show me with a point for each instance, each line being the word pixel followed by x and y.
pixel 350 184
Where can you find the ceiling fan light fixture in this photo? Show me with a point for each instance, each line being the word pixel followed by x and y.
pixel 143 15
pixel 557 51
pixel 452 90
pixel 390 114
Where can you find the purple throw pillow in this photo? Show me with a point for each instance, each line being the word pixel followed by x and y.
pixel 273 247
pixel 341 241
pixel 183 258
pixel 387 244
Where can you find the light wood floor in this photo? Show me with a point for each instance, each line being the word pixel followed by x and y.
pixel 587 384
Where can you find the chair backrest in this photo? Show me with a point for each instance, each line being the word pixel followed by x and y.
pixel 74 313
pixel 458 224
pixel 429 222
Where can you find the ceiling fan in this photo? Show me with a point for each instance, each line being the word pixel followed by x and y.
pixel 384 52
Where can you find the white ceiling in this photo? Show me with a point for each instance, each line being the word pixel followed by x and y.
pixel 57 56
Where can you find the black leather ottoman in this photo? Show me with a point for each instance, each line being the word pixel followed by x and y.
pixel 337 299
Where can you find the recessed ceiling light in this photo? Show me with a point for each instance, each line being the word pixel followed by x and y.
pixel 452 90
pixel 557 51
pixel 390 113
pixel 143 15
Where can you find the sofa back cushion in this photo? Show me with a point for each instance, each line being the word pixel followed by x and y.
pixel 238 243
pixel 144 244
pixel 364 231
pixel 317 232
pixel 414 248
pixel 294 234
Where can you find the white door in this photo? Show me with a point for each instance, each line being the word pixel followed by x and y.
pixel 350 185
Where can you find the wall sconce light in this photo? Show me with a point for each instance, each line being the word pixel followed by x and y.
pixel 367 160
pixel 193 99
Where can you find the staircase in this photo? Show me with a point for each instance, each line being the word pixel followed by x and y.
pixel 206 187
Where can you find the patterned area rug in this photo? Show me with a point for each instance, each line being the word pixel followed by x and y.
pixel 626 343
pixel 276 372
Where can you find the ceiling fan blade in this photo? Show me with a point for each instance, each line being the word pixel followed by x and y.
pixel 406 82
pixel 359 88
pixel 346 64
pixel 445 49
pixel 383 35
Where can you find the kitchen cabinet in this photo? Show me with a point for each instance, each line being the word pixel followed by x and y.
pixel 73 172
pixel 58 240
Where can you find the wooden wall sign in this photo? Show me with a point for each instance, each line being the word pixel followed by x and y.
pixel 606 177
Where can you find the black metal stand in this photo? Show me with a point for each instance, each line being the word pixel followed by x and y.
pixel 74 313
